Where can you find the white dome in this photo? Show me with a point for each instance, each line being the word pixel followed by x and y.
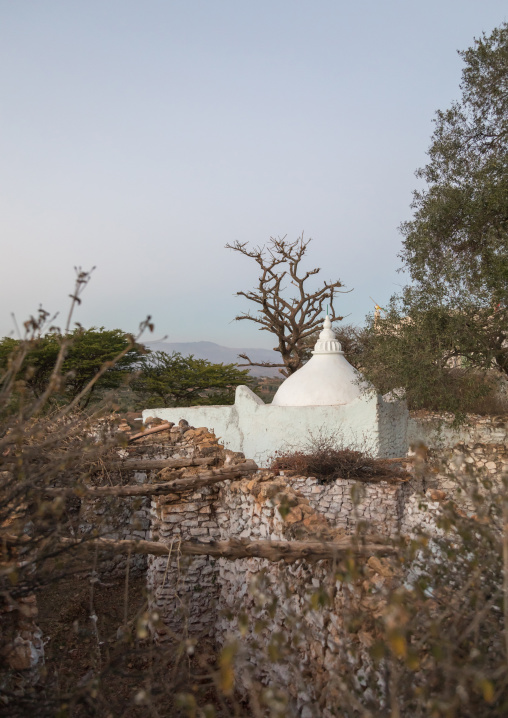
pixel 327 378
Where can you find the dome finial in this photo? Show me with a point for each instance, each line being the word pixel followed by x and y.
pixel 327 342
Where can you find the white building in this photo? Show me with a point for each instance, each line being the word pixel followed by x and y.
pixel 325 397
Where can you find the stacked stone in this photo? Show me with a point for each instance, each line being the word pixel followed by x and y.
pixel 483 458
pixel 422 512
pixel 346 502
pixel 437 430
pixel 118 518
pixel 184 590
pixel 25 652
pixel 200 596
pixel 131 518
pixel 243 514
pixel 462 472
pixel 277 600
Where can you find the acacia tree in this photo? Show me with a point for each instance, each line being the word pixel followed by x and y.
pixel 86 353
pixel 454 314
pixel 285 306
pixel 176 380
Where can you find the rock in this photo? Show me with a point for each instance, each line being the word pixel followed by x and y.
pixel 380 566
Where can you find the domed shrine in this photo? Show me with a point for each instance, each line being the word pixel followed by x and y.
pixel 327 378
pixel 326 396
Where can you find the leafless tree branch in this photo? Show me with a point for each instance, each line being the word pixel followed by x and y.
pixel 285 306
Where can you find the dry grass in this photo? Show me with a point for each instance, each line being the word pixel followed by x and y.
pixel 327 461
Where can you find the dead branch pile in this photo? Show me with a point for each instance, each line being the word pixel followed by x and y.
pixel 328 463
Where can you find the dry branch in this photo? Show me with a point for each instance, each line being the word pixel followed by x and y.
pixel 269 364
pixel 285 306
pixel 237 549
pixel 144 464
pixel 158 464
pixel 202 478
pixel 153 430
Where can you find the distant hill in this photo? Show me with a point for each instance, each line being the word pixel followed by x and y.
pixel 220 355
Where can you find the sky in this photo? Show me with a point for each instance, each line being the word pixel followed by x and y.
pixel 141 137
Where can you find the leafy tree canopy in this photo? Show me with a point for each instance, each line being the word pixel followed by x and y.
pixel 88 351
pixel 175 380
pixel 459 234
pixel 446 334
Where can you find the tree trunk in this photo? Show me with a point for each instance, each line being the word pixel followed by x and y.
pixel 158 464
pixel 237 549
pixel 202 478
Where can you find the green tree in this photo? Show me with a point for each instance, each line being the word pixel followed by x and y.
pixel 447 331
pixel 459 234
pixel 176 380
pixel 88 351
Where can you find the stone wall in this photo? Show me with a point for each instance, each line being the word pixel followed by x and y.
pixel 204 597
pixel 184 590
pixel 467 470
pixel 131 518
pixel 437 431
pixel 461 460
pixel 113 518
pixel 290 640
pixel 276 609
pixel 346 502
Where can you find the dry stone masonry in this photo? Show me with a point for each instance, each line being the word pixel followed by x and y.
pixel 219 598
pixel 270 604
pixel 380 505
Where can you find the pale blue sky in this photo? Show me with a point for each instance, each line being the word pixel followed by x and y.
pixel 142 136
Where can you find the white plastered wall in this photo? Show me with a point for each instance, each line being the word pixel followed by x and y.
pixel 259 430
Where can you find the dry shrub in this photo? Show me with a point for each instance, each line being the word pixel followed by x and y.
pixel 324 458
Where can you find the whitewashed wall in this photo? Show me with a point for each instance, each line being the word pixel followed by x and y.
pixel 259 430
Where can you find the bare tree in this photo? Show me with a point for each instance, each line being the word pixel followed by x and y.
pixel 285 307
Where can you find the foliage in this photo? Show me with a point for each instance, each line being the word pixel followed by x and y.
pixel 440 359
pixel 353 340
pixel 285 306
pixel 459 232
pixel 43 446
pixel 455 312
pixel 176 380
pixel 87 352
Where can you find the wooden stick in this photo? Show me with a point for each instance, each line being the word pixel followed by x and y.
pixel 237 549
pixel 400 459
pixel 158 464
pixel 202 478
pixel 153 430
